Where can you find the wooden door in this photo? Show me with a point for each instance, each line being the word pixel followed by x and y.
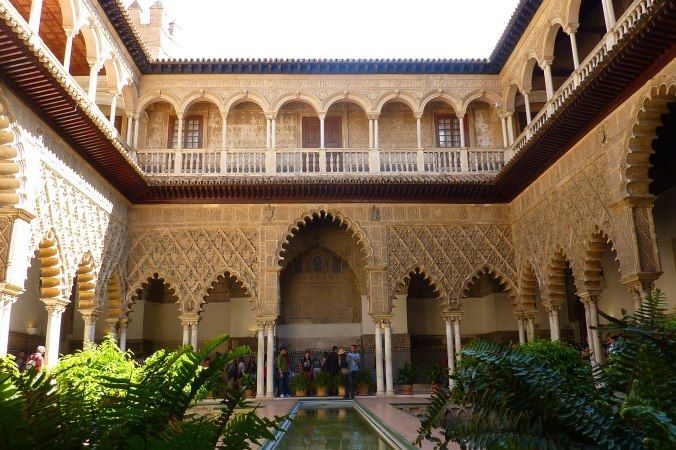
pixel 310 132
pixel 333 132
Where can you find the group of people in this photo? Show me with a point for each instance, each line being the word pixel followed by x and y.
pixel 35 360
pixel 334 362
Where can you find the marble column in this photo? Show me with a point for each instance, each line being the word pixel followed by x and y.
pixel 389 382
pixel 34 17
pixel 376 138
pixel 549 84
pixel 554 326
pixel 113 108
pixel 530 325
pixel 608 14
pixel 193 334
pixel 89 333
pixel 260 363
pixel 268 133
pixel 505 140
pixel 526 102
pixel 122 334
pixel 510 128
pixel 461 119
pixel 321 132
pixel 573 46
pixel 450 352
pixel 186 333
pixel 70 35
pixel 136 131
pixel 93 79
pixel 591 316
pixel 130 128
pixel 520 327
pixel 371 134
pixel 380 388
pixel 6 302
pixel 273 133
pixel 418 131
pixel 269 375
pixel 456 327
pixel 55 308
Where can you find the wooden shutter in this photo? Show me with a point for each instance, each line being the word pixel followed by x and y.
pixel 310 132
pixel 333 132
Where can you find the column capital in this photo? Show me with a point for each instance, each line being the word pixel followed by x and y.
pixel 546 62
pixel 266 321
pixel 9 293
pixel 55 304
pixel 90 314
pixel 452 314
pixel 571 28
pixel 588 298
pixel 640 282
pixel 373 116
pixel 382 319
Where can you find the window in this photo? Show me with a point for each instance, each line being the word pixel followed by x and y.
pixel 448 131
pixel 192 132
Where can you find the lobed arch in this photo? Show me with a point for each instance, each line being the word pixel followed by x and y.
pixel 134 293
pixel 358 234
pixel 528 286
pixel 245 96
pixel 401 97
pixel 554 279
pixel 309 99
pixel 642 126
pixel 51 267
pixel 481 95
pixel 9 183
pixel 547 50
pixel 437 287
pixel 508 285
pixel 203 95
pixel 363 102
pixel 115 296
pixel 149 98
pixel 85 277
pixel 239 278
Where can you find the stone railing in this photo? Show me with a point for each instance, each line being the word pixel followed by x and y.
pixel 626 23
pixel 186 162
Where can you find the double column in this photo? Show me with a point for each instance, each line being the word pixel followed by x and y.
pixel 190 326
pixel 266 330
pixel 55 308
pixel 453 345
pixel 552 308
pixel 7 299
pixel 383 329
pixel 89 336
pixel 591 314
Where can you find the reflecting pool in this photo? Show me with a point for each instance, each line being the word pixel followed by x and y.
pixel 330 426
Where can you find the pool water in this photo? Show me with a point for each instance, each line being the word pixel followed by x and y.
pixel 326 426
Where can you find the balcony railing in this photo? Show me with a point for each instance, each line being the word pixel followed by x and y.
pixel 626 22
pixel 187 162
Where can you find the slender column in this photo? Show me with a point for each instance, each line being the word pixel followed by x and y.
pixel 418 130
pixel 113 108
pixel 130 128
pixel 93 80
pixel 520 327
pixel 260 363
pixel 321 131
pixel 450 353
pixel 375 133
pixel 549 84
pixel 510 128
pixel 193 335
pixel 591 316
pixel 6 302
pixel 122 334
pixel 371 134
pixel 70 35
pixel 380 390
pixel 505 141
pixel 55 308
pixel 573 45
pixel 608 14
pixel 526 102
pixel 273 133
pixel 456 327
pixel 186 333
pixel 268 133
pixel 389 382
pixel 178 161
pixel 554 327
pixel 34 18
pixel 269 378
pixel 89 334
pixel 136 128
pixel 112 328
pixel 530 325
pixel 461 119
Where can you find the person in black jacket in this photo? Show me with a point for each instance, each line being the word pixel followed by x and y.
pixel 332 362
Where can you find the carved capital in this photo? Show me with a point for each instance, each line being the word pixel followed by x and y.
pixel 55 304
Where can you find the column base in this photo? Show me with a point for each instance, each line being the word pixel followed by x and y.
pixel 389 394
pixel 380 394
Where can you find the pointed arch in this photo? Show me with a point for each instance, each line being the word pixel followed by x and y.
pixel 203 95
pixel 401 97
pixel 360 100
pixel 302 97
pixel 507 284
pixel 644 120
pixel 85 277
pixel 358 234
pixel 51 267
pixel 245 96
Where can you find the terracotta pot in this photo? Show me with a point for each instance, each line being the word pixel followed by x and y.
pixel 434 388
pixel 341 391
pixel 321 391
pixel 249 393
pixel 406 389
pixel 301 394
pixel 363 389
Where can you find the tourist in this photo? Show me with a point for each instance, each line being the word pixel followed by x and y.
pixel 322 364
pixel 283 369
pixel 37 359
pixel 251 366
pixel 354 363
pixel 241 367
pixel 332 362
pixel 21 361
pixel 305 365
pixel 344 368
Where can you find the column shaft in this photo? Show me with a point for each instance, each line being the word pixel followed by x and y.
pixel 93 80
pixel 389 382
pixel 461 119
pixel 522 331
pixel 269 378
pixel 371 134
pixel 510 129
pixel 186 333
pixel 268 134
pixel 450 353
pixel 113 107
pixel 136 128
pixel 418 130
pixel 5 315
pixel 505 141
pixel 260 364
pixel 549 84
pixel 273 133
pixel 526 101
pixel 376 144
pixel 68 52
pixel 193 336
pixel 554 328
pixel 380 389
pixel 122 336
pixel 594 322
pixel 53 335
pixel 34 17
pixel 573 46
pixel 456 327
pixel 321 132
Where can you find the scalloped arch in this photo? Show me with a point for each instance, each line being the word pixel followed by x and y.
pixel 437 287
pixel 508 288
pixel 134 291
pixel 238 277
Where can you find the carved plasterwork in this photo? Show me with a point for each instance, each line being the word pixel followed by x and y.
pixel 192 259
pixel 449 254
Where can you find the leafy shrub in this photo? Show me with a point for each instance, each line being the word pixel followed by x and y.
pixel 406 374
pixel 437 374
pixel 300 382
pixel 323 380
pixel 364 378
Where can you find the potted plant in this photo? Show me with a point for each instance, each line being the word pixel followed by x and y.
pixel 323 381
pixel 249 384
pixel 436 377
pixel 339 382
pixel 300 384
pixel 405 376
pixel 363 382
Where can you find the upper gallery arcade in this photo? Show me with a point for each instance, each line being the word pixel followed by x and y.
pixel 403 204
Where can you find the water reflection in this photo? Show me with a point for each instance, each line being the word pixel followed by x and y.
pixel 326 427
